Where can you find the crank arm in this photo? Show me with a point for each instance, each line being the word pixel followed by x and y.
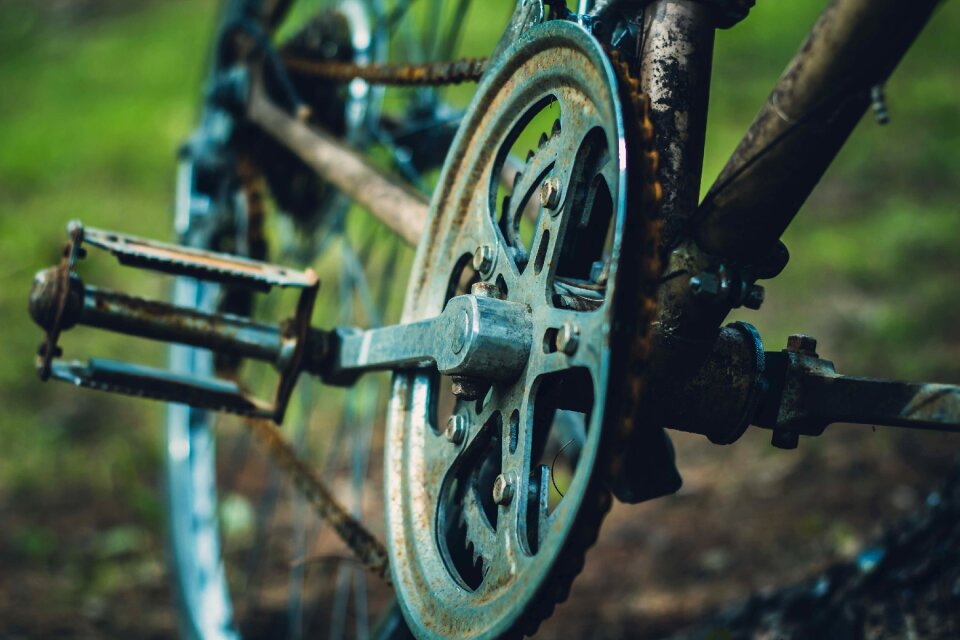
pixel 474 336
pixel 794 392
pixel 807 394
pixel 479 337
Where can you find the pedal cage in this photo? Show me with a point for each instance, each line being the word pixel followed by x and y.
pixel 60 300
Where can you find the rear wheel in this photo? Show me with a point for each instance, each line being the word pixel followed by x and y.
pixel 248 554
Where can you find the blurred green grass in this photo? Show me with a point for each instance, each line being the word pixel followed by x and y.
pixel 93 108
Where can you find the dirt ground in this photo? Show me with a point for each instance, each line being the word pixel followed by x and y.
pixel 750 519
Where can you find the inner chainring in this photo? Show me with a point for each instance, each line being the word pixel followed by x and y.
pixel 466 563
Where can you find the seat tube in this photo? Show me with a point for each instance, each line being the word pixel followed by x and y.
pixel 676 58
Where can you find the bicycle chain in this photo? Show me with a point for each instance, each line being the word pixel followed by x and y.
pixel 370 551
pixel 642 269
pixel 401 75
pixel 644 196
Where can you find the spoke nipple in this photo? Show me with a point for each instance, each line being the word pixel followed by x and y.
pixel 502 490
pixel 456 429
pixel 483 259
pixel 550 194
pixel 568 338
pixel 802 344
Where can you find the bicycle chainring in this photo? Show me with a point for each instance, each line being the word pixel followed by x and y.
pixel 490 512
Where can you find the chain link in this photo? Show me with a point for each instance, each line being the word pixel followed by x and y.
pixel 368 549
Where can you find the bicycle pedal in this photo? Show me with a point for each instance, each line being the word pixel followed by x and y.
pixel 59 300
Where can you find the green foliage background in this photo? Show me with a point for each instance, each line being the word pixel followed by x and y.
pixel 95 98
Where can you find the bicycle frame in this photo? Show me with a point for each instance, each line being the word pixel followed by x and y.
pixel 717 249
pixel 710 379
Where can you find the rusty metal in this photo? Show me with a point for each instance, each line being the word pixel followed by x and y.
pixel 395 203
pixel 794 392
pixel 49 299
pixel 720 399
pixel 821 96
pixel 364 544
pixel 806 395
pixel 131 315
pixel 819 99
pixel 675 61
pixel 177 259
pixel 400 75
pixel 59 300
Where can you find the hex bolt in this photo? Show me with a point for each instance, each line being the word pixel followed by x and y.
pixel 483 259
pixel 486 290
pixel 456 429
pixel 802 344
pixel 502 490
pixel 568 338
pixel 550 195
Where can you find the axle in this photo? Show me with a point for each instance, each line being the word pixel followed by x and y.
pixel 122 313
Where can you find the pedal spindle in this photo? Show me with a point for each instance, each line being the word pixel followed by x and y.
pixel 60 300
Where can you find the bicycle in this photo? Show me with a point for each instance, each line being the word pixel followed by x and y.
pixel 492 302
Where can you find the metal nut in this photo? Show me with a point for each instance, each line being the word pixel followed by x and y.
pixel 550 194
pixel 568 338
pixel 456 429
pixel 486 290
pixel 803 344
pixel 502 490
pixel 705 285
pixel 483 259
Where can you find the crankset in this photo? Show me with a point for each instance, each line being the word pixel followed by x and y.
pixel 510 405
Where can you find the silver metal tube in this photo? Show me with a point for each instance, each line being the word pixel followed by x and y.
pixel 223 333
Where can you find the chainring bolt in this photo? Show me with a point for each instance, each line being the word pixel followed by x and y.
pixel 502 490
pixel 550 194
pixel 456 429
pixel 483 259
pixel 486 290
pixel 568 338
